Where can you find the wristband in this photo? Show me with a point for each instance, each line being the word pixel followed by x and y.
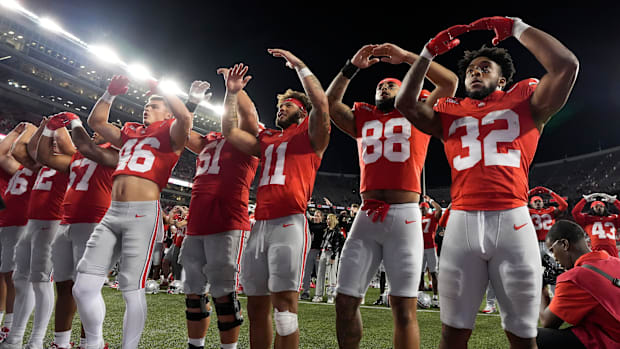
pixel 47 132
pixel 426 54
pixel 75 123
pixel 349 70
pixel 107 97
pixel 518 27
pixel 191 106
pixel 304 72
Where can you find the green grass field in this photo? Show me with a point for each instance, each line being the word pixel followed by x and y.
pixel 165 326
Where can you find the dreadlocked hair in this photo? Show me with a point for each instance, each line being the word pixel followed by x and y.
pixel 297 95
pixel 496 54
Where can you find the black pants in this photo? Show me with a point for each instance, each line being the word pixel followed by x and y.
pixel 552 338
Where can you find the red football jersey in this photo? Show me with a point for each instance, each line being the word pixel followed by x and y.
pixel 490 145
pixel 48 193
pixel 221 188
pixel 89 191
pixel 16 197
pixel 388 143
pixel 179 236
pixel 543 220
pixel 600 229
pixel 289 165
pixel 429 227
pixel 147 152
pixel 5 177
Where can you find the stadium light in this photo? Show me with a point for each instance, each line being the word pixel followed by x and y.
pixel 104 53
pixel 139 71
pixel 169 86
pixel 50 25
pixel 218 109
pixel 11 4
pixel 179 182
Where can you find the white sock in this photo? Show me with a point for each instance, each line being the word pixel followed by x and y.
pixel 83 342
pixel 24 303
pixel 43 307
pixel 198 342
pixel 228 346
pixel 8 320
pixel 134 319
pixel 62 339
pixel 87 294
pixel 1 316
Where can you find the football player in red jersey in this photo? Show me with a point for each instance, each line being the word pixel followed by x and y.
pixel 217 224
pixel 599 223
pixel 132 224
pixel 544 217
pixel 85 203
pixel 13 218
pixel 430 221
pixel 33 263
pixel 274 258
pixel 490 139
pixel 387 143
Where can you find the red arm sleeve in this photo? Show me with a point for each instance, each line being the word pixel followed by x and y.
pixel 444 219
pixel 577 214
pixel 617 204
pixel 562 204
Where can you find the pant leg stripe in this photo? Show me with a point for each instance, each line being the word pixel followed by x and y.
pixel 147 265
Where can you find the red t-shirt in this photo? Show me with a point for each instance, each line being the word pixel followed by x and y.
pixel 89 191
pixel 47 195
pixel 576 305
pixel 543 220
pixel 429 227
pixel 147 152
pixel 16 197
pixel 388 143
pixel 490 145
pixel 289 166
pixel 221 188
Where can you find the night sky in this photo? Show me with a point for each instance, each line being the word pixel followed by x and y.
pixel 186 41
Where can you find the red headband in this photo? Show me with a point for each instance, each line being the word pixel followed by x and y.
pixel 534 198
pixel 594 203
pixel 396 81
pixel 297 102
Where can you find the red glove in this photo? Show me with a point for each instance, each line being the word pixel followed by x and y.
pixel 119 85
pixel 502 26
pixel 55 122
pixel 153 87
pixel 446 40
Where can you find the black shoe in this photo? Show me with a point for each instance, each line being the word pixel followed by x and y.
pixel 191 346
pixel 379 301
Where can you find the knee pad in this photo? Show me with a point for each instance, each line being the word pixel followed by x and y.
pixel 231 307
pixel 197 303
pixel 286 322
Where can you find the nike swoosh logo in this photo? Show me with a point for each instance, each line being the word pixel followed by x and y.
pixel 286 225
pixel 409 222
pixel 517 227
pixel 138 216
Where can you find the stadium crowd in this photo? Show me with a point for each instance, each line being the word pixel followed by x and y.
pixel 79 206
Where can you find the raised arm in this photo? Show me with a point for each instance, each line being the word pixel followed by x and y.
pixel 577 214
pixel 33 143
pixel 340 113
pixel 421 114
pixel 436 206
pixel 45 148
pixel 98 118
pixel 7 161
pixel 318 124
pixel 19 149
pixel 248 120
pixel 445 81
pixel 241 139
pixel 562 204
pixel 560 63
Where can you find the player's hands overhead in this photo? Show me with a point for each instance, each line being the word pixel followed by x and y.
pixel 446 40
pixel 390 53
pixel 235 77
pixel 291 60
pixel 502 26
pixel 197 92
pixel 119 85
pixel 61 120
pixel 361 58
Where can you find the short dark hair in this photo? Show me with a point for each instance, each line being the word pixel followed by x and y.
pixel 300 96
pixel 496 54
pixel 162 99
pixel 565 229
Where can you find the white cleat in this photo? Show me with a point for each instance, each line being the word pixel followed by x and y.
pixel 489 309
pixel 317 299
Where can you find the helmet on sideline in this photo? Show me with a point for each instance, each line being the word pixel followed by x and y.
pixel 176 287
pixel 152 287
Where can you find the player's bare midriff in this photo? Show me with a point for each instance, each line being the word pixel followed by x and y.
pixel 392 196
pixel 132 188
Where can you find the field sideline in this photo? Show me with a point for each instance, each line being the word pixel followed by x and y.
pixel 165 326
